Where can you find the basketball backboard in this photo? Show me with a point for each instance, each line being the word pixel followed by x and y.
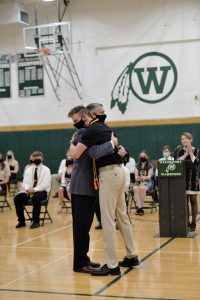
pixel 54 36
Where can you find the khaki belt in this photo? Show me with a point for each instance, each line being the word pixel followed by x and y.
pixel 110 167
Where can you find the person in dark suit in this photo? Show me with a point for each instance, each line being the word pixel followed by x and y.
pixel 111 191
pixel 83 194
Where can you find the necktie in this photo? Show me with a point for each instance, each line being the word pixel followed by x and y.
pixel 35 177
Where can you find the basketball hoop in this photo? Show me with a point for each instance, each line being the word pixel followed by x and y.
pixel 43 51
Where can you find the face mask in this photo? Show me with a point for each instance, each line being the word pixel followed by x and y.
pixel 101 117
pixel 80 124
pixel 37 161
pixel 143 159
pixel 69 162
pixel 1 160
pixel 166 154
pixel 9 156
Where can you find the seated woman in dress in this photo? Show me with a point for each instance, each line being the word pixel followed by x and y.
pixel 64 189
pixel 143 181
pixel 4 174
pixel 13 165
pixel 191 156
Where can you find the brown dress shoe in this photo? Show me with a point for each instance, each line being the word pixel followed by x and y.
pixel 85 269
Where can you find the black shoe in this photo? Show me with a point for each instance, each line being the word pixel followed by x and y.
pixel 141 212
pixel 85 269
pixel 188 224
pixel 35 225
pixel 129 262
pixel 192 226
pixel 105 271
pixel 20 224
pixel 137 211
pixel 94 264
pixel 99 226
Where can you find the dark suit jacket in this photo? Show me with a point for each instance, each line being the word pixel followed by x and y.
pixel 82 174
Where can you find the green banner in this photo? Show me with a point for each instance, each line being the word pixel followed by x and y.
pixel 30 75
pixel 172 168
pixel 4 76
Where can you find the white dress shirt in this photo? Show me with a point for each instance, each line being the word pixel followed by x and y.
pixel 44 178
pixel 62 166
pixel 131 165
pixel 167 158
pixel 4 172
pixel 127 173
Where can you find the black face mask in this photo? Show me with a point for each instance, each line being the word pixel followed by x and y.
pixel 9 156
pixel 101 117
pixel 80 124
pixel 143 159
pixel 69 162
pixel 37 161
pixel 1 160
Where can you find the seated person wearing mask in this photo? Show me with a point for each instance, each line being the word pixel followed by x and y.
pixel 13 164
pixel 56 178
pixel 4 174
pixel 143 181
pixel 166 151
pixel 36 184
pixel 129 162
pixel 64 189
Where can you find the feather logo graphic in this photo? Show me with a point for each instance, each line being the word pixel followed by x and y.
pixel 121 91
pixel 151 78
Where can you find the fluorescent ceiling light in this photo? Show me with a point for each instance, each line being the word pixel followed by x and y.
pixel 48 0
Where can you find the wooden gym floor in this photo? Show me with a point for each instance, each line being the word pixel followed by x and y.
pixel 37 264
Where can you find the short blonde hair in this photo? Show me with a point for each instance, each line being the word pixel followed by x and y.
pixel 188 135
pixel 37 153
pixel 80 110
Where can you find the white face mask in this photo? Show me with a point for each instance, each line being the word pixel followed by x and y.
pixel 166 154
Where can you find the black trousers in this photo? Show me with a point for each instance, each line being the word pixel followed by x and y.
pixel 21 199
pixel 3 187
pixel 97 210
pixel 82 215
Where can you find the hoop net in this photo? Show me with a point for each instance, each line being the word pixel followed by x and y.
pixel 43 51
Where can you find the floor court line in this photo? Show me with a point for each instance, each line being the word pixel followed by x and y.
pixel 131 269
pixel 86 295
pixel 42 235
pixel 35 270
pixel 98 250
pixel 98 293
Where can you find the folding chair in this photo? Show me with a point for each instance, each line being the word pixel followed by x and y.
pixel 149 204
pixel 66 204
pixel 4 201
pixel 44 214
pixel 12 186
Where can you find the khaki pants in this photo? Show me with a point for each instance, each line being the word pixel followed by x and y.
pixel 55 182
pixel 113 206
